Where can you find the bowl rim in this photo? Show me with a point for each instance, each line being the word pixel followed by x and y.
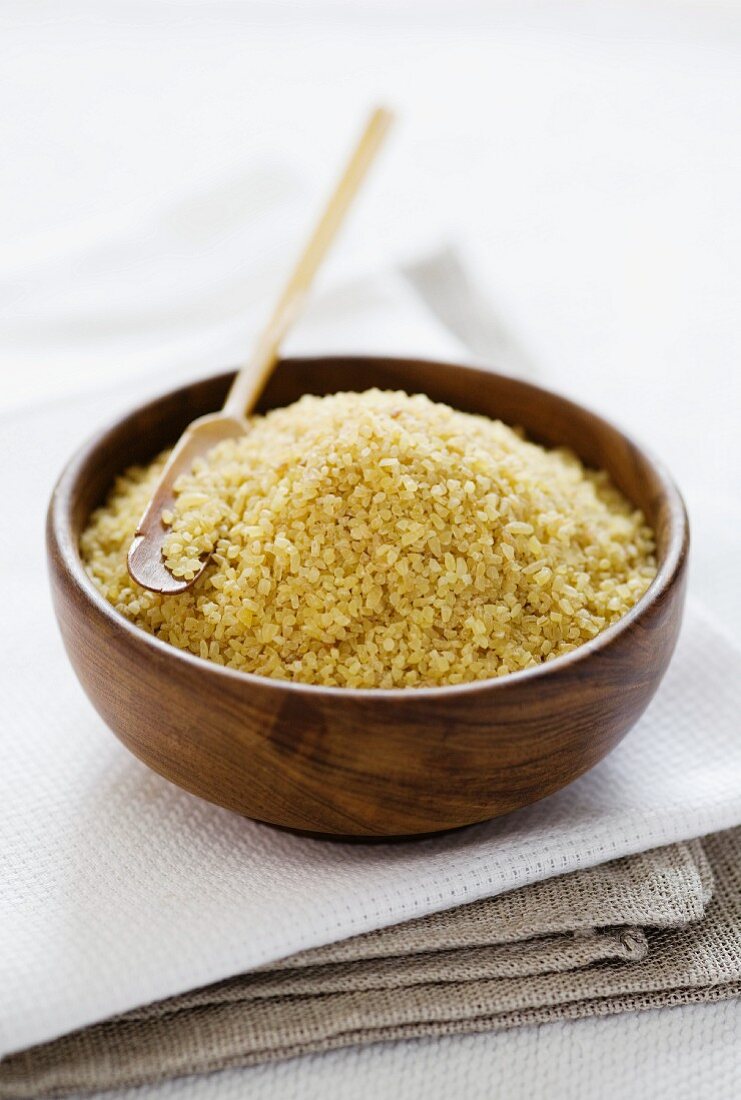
pixel 59 531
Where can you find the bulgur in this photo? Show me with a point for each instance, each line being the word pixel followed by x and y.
pixel 376 540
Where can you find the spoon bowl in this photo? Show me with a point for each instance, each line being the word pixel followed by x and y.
pixel 353 763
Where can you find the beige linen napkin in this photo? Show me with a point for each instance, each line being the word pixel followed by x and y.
pixel 635 933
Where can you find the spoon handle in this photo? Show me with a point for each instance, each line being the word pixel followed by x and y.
pixel 249 383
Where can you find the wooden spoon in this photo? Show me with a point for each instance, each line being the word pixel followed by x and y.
pixel 145 558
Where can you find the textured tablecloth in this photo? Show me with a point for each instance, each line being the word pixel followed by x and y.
pixel 662 928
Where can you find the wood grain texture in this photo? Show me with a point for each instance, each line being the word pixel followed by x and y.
pixel 370 763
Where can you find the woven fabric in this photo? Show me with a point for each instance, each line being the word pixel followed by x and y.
pixel 682 1053
pixel 666 886
pixel 475 968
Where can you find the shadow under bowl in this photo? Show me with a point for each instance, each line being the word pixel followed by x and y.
pixel 368 763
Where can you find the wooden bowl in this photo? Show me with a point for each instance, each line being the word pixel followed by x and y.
pixel 368 763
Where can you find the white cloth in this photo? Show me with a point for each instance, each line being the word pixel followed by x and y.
pixel 120 889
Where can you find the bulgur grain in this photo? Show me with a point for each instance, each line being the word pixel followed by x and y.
pixel 380 540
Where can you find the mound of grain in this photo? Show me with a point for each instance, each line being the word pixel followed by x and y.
pixel 381 540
